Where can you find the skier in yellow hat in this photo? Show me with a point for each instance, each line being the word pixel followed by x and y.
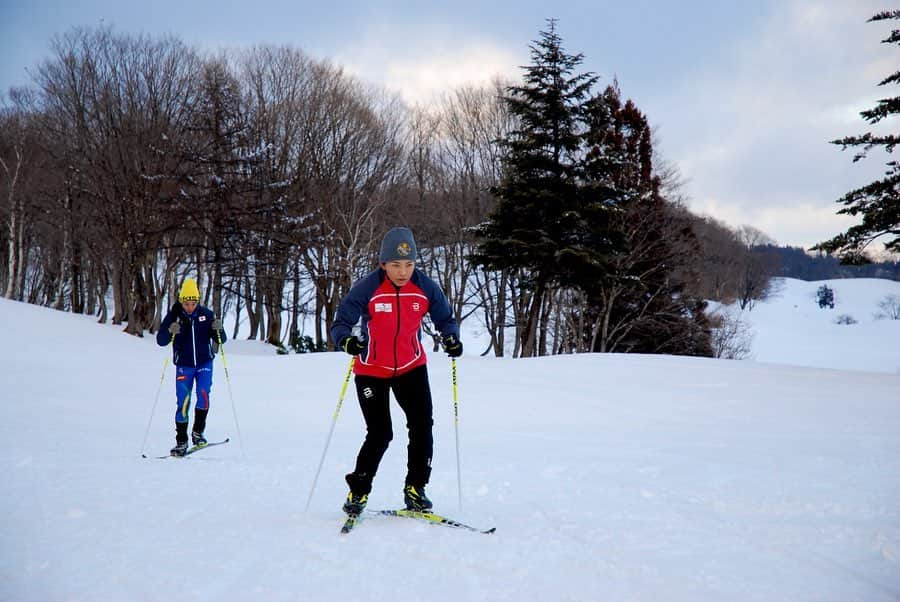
pixel 197 334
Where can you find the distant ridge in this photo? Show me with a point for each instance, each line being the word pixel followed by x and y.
pixel 796 262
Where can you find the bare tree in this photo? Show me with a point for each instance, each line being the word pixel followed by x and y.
pixel 18 149
pixel 116 107
pixel 732 338
pixel 756 269
pixel 889 308
pixel 329 155
pixel 352 158
pixel 464 166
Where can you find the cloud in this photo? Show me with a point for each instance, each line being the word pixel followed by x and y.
pixel 792 221
pixel 443 60
pixel 750 130
pixel 421 79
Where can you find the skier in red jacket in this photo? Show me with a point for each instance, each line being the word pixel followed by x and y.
pixel 391 303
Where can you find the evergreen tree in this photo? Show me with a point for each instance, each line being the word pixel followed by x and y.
pixel 825 296
pixel 531 228
pixel 580 210
pixel 877 203
pixel 642 246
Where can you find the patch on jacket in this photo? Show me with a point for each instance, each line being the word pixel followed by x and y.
pixel 384 307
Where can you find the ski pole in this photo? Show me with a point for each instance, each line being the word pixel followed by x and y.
pixel 456 429
pixel 230 394
pixel 337 411
pixel 156 399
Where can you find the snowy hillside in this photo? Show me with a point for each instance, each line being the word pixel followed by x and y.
pixel 791 328
pixel 608 477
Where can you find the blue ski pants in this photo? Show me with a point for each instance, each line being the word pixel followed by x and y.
pixel 185 379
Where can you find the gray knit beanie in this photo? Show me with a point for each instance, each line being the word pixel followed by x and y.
pixel 398 243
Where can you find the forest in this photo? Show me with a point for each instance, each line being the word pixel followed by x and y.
pixel 133 161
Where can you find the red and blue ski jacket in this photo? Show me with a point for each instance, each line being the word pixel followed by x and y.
pixel 391 321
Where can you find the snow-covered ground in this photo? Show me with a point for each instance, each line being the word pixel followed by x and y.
pixel 790 328
pixel 608 477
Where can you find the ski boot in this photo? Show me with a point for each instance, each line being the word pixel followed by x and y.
pixel 181 440
pixel 199 426
pixel 355 503
pixel 415 499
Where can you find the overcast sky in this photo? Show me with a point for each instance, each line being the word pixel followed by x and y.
pixel 744 96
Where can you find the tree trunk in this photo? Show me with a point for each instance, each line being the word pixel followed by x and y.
pixel 273 313
pixel 15 228
pixel 118 293
pixel 217 281
pixel 65 260
pixel 529 346
pixel 103 287
pixel 77 293
pixel 546 312
pixel 602 327
pixel 295 305
pixel 500 339
pixel 237 316
pixel 251 314
pixel 139 298
pixel 12 263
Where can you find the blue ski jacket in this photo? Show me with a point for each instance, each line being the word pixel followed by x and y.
pixel 193 346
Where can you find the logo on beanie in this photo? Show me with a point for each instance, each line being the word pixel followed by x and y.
pixel 403 249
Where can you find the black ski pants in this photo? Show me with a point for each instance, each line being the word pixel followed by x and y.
pixel 413 394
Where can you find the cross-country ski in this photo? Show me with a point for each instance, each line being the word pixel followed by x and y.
pixel 192 450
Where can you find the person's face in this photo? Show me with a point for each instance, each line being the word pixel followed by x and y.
pixel 399 272
pixel 189 306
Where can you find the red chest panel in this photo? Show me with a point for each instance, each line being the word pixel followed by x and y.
pixel 395 317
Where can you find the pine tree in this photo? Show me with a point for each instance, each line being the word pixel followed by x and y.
pixel 531 228
pixel 641 246
pixel 580 210
pixel 877 203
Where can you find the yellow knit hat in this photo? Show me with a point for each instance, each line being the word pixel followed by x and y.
pixel 189 291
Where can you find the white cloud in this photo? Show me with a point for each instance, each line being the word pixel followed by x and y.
pixel 443 60
pixel 798 223
pixel 751 131
pixel 421 79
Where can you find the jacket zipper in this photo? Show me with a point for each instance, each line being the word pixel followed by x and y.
pixel 194 341
pixel 397 334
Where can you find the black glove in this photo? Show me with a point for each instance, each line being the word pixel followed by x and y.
pixel 352 345
pixel 174 328
pixel 452 345
pixel 215 347
pixel 216 325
